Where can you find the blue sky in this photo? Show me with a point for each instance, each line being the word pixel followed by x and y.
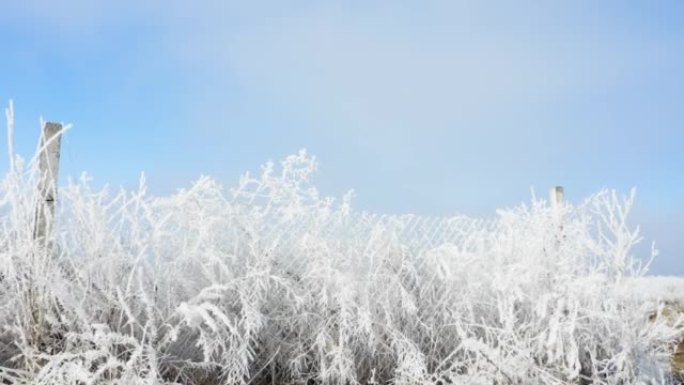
pixel 429 107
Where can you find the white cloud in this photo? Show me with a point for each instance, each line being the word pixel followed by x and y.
pixel 369 73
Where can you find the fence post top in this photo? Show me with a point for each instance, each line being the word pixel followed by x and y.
pixel 557 197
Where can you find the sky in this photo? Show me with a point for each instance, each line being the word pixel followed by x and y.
pixel 426 107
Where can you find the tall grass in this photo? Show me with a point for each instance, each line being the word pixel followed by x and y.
pixel 269 283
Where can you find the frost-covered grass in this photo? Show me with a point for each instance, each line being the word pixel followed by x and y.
pixel 269 283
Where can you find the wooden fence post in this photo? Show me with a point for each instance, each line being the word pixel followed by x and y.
pixel 48 164
pixel 557 203
pixel 557 199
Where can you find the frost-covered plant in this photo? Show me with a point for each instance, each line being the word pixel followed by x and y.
pixel 270 283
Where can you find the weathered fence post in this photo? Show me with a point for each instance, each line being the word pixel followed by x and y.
pixel 557 204
pixel 48 164
pixel 557 200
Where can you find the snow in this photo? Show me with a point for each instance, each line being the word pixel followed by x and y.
pixel 268 282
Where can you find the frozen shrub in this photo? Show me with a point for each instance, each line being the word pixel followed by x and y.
pixel 268 282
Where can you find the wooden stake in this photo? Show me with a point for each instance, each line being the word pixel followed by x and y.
pixel 557 203
pixel 556 195
pixel 48 164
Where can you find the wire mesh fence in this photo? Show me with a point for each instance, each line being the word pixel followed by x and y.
pixel 268 282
